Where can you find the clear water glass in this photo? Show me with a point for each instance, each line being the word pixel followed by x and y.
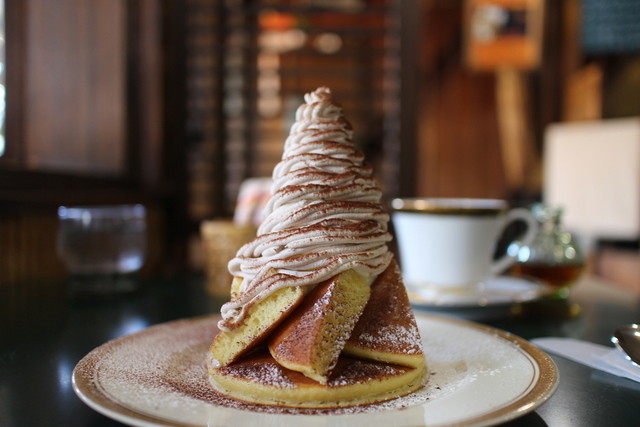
pixel 103 247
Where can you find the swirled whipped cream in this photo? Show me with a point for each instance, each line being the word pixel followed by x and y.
pixel 324 216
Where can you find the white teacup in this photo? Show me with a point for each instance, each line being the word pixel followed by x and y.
pixel 449 243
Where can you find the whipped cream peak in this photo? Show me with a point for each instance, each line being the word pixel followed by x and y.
pixel 324 216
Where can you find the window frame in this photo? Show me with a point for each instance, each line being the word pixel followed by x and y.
pixel 153 156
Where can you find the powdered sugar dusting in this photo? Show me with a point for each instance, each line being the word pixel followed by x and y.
pixel 268 373
pixel 402 339
pixel 360 372
pixel 388 323
pixel 163 370
pixel 160 372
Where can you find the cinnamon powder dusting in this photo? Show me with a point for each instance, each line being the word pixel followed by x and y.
pixel 164 366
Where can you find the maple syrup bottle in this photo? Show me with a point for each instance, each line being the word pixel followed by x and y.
pixel 553 257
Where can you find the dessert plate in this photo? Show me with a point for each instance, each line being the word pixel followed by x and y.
pixel 156 377
pixel 495 297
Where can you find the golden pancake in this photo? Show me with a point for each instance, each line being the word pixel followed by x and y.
pixel 258 378
pixel 260 320
pixel 311 338
pixel 387 330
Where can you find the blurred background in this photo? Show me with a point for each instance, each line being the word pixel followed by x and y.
pixel 173 104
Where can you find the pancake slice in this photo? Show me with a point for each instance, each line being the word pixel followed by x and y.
pixel 258 378
pixel 311 339
pixel 260 320
pixel 387 330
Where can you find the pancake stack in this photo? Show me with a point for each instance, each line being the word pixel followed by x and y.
pixel 318 315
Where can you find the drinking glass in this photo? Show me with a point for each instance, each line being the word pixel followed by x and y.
pixel 103 247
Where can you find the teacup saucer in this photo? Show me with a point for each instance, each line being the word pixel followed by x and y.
pixel 496 296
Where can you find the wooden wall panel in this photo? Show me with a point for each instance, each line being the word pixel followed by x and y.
pixel 458 149
pixel 74 113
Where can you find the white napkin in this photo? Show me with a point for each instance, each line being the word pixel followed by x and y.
pixel 617 360
pixel 597 356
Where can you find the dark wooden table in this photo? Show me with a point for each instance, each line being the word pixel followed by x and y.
pixel 44 333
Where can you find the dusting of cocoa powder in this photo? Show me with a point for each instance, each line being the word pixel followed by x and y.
pixel 164 367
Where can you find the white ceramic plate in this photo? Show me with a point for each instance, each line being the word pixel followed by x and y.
pixel 156 377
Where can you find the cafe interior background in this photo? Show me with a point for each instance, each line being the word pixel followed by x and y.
pixel 173 104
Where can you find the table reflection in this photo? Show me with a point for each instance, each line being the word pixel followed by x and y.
pixel 45 333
